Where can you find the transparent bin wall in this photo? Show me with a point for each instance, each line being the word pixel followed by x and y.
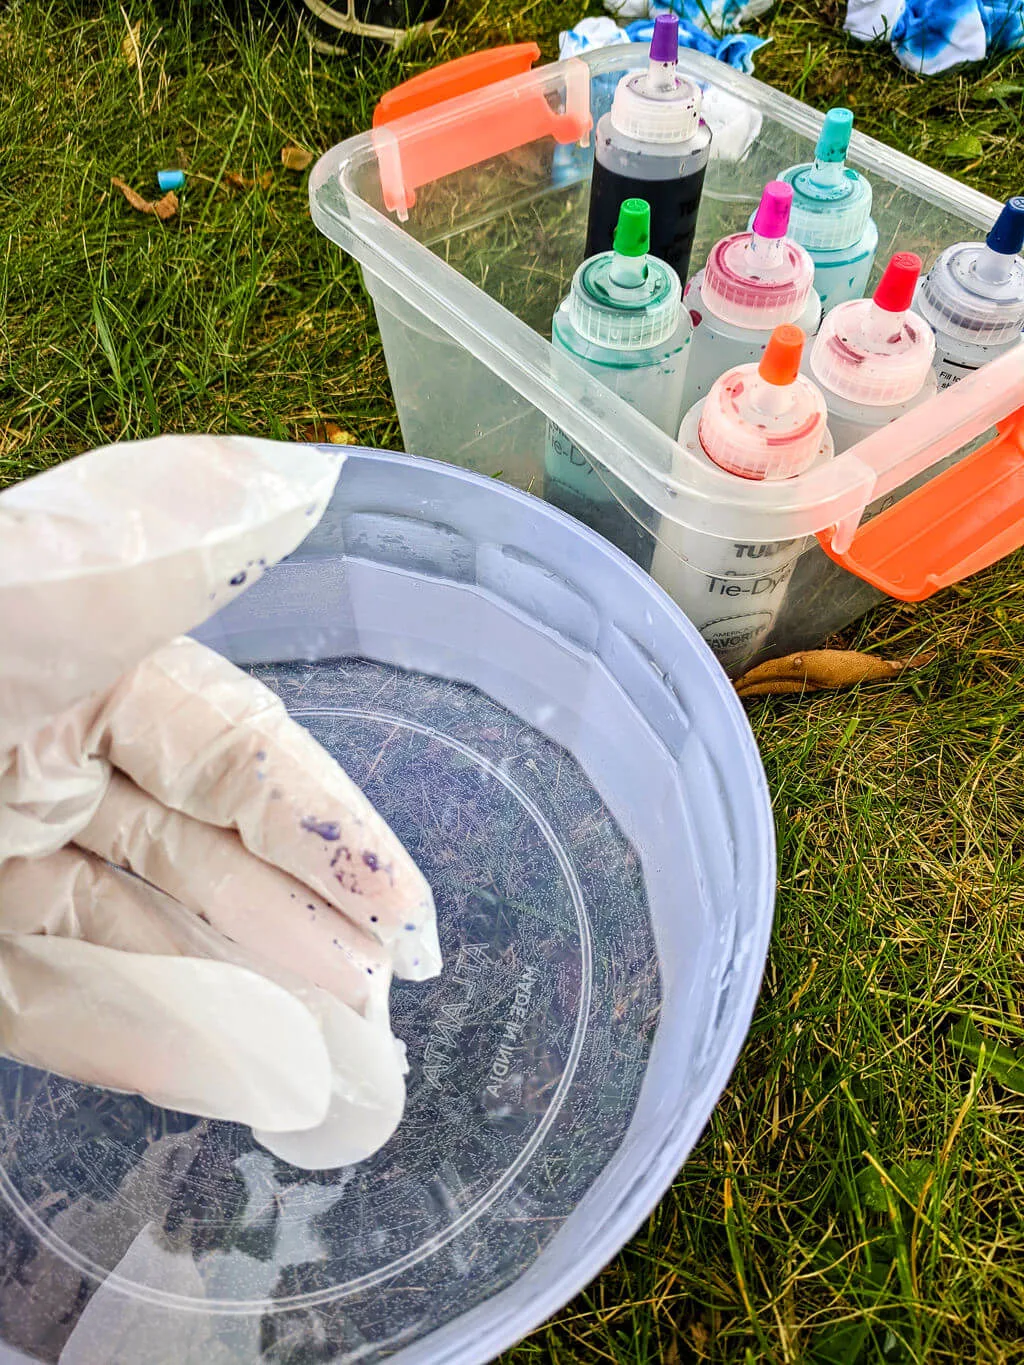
pixel 500 680
pixel 488 426
pixel 514 227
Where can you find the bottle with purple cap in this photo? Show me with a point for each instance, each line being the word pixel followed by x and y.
pixel 973 297
pixel 753 282
pixel 652 145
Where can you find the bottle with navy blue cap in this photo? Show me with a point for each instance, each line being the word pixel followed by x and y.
pixel 973 297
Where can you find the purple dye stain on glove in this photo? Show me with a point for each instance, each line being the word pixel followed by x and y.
pixel 327 829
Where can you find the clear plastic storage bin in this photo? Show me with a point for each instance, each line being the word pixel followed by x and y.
pixel 466 209
pixel 557 748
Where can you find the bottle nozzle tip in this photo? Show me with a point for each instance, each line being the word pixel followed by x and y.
pixel 780 363
pixel 772 216
pixel 895 290
pixel 665 40
pixel 1007 234
pixel 834 138
pixel 633 229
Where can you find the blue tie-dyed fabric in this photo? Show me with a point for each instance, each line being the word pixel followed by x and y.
pixel 928 28
pixel 1004 25
pixel 929 36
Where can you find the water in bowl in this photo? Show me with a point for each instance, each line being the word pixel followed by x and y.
pixel 526 1059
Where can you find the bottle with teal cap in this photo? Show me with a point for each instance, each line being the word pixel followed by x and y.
pixel 624 323
pixel 831 214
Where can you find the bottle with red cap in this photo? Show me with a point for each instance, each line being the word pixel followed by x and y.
pixel 753 282
pixel 765 422
pixel 873 357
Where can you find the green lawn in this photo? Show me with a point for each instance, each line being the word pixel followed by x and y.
pixel 859 1195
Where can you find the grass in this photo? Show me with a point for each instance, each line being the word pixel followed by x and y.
pixel 858 1195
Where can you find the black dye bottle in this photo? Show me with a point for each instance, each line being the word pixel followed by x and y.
pixel 652 145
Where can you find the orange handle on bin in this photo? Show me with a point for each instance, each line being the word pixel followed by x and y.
pixel 458 77
pixel 961 521
pixel 484 127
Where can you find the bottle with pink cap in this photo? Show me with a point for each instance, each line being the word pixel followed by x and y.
pixel 753 282
pixel 873 357
pixel 766 422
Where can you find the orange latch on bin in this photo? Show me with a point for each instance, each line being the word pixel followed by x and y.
pixel 961 521
pixel 483 127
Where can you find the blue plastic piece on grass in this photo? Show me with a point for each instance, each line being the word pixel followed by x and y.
pixel 170 180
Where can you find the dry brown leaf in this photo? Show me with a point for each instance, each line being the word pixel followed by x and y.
pixel 295 158
pixel 163 208
pixel 130 45
pixel 322 432
pixel 234 180
pixel 815 670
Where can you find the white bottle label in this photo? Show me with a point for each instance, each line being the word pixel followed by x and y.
pixel 565 463
pixel 731 603
pixel 948 370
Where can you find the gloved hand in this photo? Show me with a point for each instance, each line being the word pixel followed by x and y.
pixel 243 971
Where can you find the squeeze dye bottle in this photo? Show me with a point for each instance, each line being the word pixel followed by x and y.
pixel 831 214
pixel 873 357
pixel 652 145
pixel 763 421
pixel 753 282
pixel 624 323
pixel 973 297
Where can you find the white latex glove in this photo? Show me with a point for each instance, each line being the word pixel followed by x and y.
pixel 256 989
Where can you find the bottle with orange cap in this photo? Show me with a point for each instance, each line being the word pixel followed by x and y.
pixel 763 421
pixel 873 357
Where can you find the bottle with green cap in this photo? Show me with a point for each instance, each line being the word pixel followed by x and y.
pixel 831 214
pixel 624 323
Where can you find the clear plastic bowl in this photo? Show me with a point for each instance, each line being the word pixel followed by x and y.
pixel 568 763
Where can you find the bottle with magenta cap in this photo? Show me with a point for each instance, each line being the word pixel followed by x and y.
pixel 652 145
pixel 765 422
pixel 753 282
pixel 873 357
pixel 973 297
pixel 831 214
pixel 623 322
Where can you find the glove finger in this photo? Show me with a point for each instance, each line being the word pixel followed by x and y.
pixel 258 906
pixel 75 895
pixel 71 894
pixel 368 1070
pixel 208 740
pixel 206 1037
pixel 132 544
